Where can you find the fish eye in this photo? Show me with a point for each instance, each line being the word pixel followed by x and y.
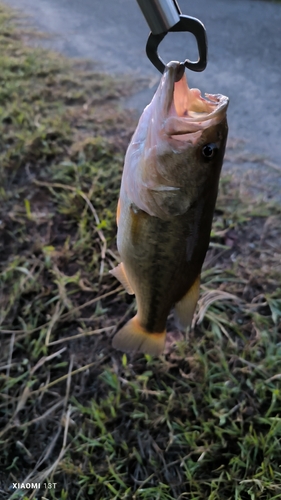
pixel 209 151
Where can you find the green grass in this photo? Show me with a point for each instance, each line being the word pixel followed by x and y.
pixel 203 421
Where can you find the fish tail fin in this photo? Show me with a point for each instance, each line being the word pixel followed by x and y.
pixel 134 338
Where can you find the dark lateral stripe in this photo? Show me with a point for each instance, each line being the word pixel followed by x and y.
pixel 161 258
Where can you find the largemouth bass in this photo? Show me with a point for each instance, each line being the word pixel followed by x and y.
pixel 167 199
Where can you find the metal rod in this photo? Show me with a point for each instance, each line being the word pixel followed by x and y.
pixel 160 15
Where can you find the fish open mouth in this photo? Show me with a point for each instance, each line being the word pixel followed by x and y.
pixel 188 113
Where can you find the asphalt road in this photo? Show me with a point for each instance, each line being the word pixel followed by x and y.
pixel 244 60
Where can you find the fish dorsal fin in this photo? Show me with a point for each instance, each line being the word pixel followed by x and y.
pixel 185 308
pixel 134 338
pixel 120 273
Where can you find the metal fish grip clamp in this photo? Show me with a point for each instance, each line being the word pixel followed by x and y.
pixel 164 16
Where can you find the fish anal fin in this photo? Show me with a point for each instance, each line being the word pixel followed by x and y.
pixel 185 308
pixel 120 273
pixel 134 338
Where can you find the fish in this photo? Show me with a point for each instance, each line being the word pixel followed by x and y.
pixel 165 209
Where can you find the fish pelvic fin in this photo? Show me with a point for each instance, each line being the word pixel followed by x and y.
pixel 120 273
pixel 184 309
pixel 134 338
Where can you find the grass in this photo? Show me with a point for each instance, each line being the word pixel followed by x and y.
pixel 203 421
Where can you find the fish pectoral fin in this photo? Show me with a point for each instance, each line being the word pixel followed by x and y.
pixel 134 338
pixel 120 273
pixel 184 309
pixel 162 188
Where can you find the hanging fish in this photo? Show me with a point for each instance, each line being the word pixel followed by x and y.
pixel 167 199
